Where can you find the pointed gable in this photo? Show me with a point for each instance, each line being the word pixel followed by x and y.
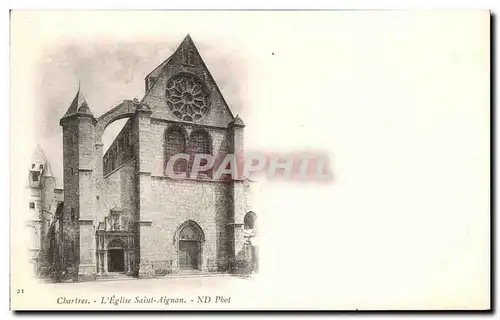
pixel 182 89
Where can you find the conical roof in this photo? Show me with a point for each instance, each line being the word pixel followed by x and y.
pixel 78 105
pixel 38 158
pixel 38 155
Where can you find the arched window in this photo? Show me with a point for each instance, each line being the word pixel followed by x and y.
pixel 106 165
pixel 114 159
pixel 175 143
pixel 199 143
pixel 249 220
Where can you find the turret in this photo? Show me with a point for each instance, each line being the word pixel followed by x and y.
pixel 41 194
pixel 79 187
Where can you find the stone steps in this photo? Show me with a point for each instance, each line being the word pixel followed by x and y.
pixel 182 274
pixel 186 274
pixel 111 276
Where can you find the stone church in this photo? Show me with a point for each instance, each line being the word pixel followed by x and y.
pixel 119 213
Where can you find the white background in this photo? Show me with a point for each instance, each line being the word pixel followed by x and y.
pixel 406 160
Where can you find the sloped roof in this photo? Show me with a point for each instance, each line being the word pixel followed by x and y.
pixel 238 121
pixel 186 43
pixel 38 158
pixel 38 155
pixel 78 105
pixel 50 148
pixel 158 69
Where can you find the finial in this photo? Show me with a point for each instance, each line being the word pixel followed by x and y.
pixel 78 79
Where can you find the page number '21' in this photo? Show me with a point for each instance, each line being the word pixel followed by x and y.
pixel 20 290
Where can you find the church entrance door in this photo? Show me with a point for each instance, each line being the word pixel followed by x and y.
pixel 116 260
pixel 189 237
pixel 189 254
pixel 116 256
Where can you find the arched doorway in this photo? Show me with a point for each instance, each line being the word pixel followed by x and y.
pixel 116 257
pixel 251 239
pixel 189 238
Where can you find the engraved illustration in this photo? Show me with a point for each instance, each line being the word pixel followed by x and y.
pixel 120 213
pixel 150 152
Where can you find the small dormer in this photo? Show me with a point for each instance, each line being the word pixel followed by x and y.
pixel 34 177
pixel 38 167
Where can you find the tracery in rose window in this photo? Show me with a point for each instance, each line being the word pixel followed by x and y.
pixel 187 97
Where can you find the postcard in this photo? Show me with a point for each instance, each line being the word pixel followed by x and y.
pixel 250 160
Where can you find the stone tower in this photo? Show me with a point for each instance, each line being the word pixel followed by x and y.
pixel 79 207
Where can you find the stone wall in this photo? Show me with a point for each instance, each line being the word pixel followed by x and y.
pixel 204 202
pixel 71 196
pixel 118 191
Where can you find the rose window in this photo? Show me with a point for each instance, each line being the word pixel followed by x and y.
pixel 187 97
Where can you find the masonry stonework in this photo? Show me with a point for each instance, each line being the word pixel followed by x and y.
pixel 122 214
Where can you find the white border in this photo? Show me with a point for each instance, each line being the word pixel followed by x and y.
pixel 146 5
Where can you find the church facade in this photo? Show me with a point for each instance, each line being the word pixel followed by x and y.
pixel 122 214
